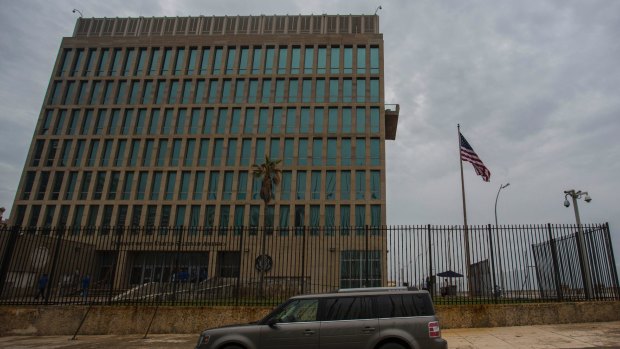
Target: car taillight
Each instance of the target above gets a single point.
(433, 329)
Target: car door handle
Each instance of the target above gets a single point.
(368, 329)
(308, 332)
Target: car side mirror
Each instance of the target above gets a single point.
(272, 322)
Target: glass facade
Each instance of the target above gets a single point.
(174, 129)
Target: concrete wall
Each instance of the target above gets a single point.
(64, 320)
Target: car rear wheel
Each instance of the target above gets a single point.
(392, 346)
(233, 347)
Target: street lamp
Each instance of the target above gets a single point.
(581, 244)
(499, 250)
(502, 186)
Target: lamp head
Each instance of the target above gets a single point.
(566, 203)
(587, 198)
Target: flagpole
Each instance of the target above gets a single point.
(458, 126)
(465, 229)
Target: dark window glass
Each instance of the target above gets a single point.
(347, 308)
(403, 305)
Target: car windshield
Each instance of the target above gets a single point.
(299, 310)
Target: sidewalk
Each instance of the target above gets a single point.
(575, 336)
(586, 335)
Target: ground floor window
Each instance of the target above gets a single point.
(228, 264)
(167, 267)
(360, 268)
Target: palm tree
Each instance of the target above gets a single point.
(270, 174)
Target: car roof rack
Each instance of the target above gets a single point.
(376, 289)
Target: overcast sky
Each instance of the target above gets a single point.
(534, 84)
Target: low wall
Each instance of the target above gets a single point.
(64, 320)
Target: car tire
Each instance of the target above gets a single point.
(392, 345)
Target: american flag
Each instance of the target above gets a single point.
(468, 154)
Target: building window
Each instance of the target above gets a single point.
(71, 182)
(291, 120)
(184, 187)
(180, 216)
(308, 60)
(293, 89)
(295, 59)
(317, 151)
(315, 189)
(228, 185)
(345, 185)
(269, 56)
(374, 90)
(320, 90)
(142, 181)
(204, 62)
(374, 60)
(315, 219)
(284, 219)
(198, 185)
(170, 185)
(212, 189)
(360, 151)
(113, 186)
(242, 185)
(228, 264)
(302, 152)
(127, 186)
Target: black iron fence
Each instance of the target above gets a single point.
(251, 265)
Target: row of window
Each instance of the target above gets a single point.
(209, 121)
(217, 60)
(199, 185)
(214, 91)
(190, 152)
(282, 216)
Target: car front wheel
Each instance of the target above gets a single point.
(392, 346)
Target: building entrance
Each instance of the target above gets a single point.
(163, 267)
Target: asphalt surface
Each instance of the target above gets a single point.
(574, 336)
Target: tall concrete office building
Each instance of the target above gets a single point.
(157, 121)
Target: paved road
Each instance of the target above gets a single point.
(575, 336)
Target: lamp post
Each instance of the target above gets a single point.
(502, 186)
(499, 250)
(581, 243)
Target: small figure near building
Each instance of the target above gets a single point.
(85, 286)
(42, 284)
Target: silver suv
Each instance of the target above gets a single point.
(372, 318)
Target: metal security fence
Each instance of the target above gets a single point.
(254, 265)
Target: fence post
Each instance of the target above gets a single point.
(367, 264)
(612, 262)
(583, 264)
(119, 234)
(239, 273)
(8, 256)
(556, 266)
(495, 290)
(429, 284)
(54, 264)
(177, 280)
(303, 262)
